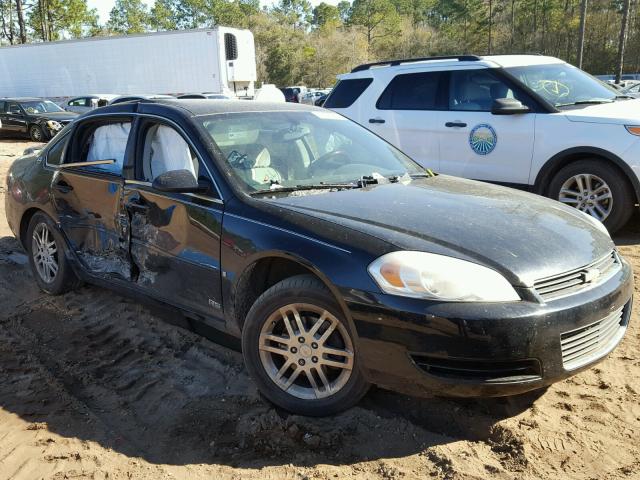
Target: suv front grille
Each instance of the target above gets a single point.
(586, 344)
(575, 280)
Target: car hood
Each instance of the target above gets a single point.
(623, 112)
(524, 236)
(56, 115)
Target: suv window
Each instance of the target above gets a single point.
(412, 91)
(79, 102)
(476, 90)
(56, 152)
(101, 141)
(2, 105)
(14, 108)
(346, 92)
(165, 150)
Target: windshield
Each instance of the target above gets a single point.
(272, 150)
(562, 84)
(43, 106)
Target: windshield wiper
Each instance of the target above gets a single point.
(625, 97)
(315, 186)
(584, 102)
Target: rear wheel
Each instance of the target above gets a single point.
(47, 257)
(36, 133)
(300, 351)
(596, 188)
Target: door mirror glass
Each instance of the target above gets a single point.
(178, 181)
(508, 106)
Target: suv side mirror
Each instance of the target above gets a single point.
(176, 181)
(508, 106)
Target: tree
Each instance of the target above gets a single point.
(21, 25)
(326, 15)
(55, 19)
(623, 39)
(8, 26)
(128, 16)
(296, 13)
(378, 17)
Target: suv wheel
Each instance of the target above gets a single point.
(36, 133)
(299, 350)
(596, 188)
(47, 257)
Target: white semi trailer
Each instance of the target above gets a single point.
(217, 60)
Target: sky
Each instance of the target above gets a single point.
(105, 6)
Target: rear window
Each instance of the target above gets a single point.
(346, 92)
(412, 91)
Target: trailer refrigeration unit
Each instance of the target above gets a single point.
(217, 60)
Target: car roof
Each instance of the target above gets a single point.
(22, 99)
(196, 107)
(487, 61)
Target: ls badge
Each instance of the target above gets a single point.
(483, 139)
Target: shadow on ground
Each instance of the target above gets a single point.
(96, 366)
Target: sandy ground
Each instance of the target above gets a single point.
(93, 385)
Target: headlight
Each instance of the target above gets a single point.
(53, 125)
(437, 277)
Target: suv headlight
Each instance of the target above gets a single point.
(53, 125)
(438, 277)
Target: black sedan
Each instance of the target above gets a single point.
(336, 259)
(36, 118)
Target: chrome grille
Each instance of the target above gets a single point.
(579, 279)
(586, 344)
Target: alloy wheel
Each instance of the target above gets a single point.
(45, 253)
(36, 134)
(306, 351)
(588, 193)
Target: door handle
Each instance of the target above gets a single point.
(376, 120)
(63, 186)
(137, 207)
(455, 124)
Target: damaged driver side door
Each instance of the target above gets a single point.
(87, 190)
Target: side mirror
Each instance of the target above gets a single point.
(176, 181)
(508, 106)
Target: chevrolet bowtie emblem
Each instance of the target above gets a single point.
(590, 275)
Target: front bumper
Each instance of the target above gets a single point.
(481, 349)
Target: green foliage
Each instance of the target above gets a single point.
(296, 43)
(129, 16)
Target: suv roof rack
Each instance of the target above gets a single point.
(393, 63)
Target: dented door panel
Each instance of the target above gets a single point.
(89, 207)
(175, 247)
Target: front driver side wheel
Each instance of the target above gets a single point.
(36, 133)
(300, 351)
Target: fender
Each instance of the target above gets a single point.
(566, 156)
(303, 262)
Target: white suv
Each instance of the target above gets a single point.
(526, 121)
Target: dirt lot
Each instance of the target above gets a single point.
(93, 385)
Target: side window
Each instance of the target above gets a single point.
(2, 107)
(412, 91)
(14, 108)
(346, 92)
(476, 90)
(164, 150)
(55, 155)
(95, 141)
(79, 102)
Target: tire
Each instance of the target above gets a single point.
(337, 388)
(63, 279)
(621, 203)
(36, 133)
